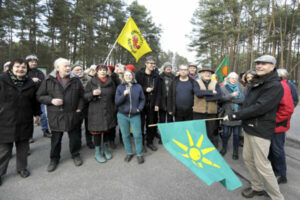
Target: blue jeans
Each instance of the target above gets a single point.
(135, 122)
(44, 120)
(277, 154)
(236, 135)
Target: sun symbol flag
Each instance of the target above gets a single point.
(131, 39)
(223, 69)
(187, 141)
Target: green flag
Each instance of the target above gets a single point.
(187, 141)
(223, 69)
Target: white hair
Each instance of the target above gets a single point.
(282, 73)
(233, 75)
(58, 61)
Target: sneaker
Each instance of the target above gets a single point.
(128, 157)
(282, 180)
(140, 159)
(77, 161)
(52, 166)
(24, 173)
(47, 134)
(250, 193)
(152, 147)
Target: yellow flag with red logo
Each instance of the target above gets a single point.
(131, 39)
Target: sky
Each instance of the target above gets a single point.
(174, 17)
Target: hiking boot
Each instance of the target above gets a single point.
(282, 180)
(47, 134)
(250, 193)
(223, 151)
(24, 173)
(152, 147)
(128, 157)
(77, 161)
(52, 166)
(235, 154)
(140, 159)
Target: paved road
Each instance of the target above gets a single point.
(160, 177)
(294, 132)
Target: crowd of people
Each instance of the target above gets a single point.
(256, 105)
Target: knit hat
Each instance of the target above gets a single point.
(31, 57)
(112, 68)
(167, 64)
(6, 64)
(130, 67)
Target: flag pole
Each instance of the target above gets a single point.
(210, 119)
(110, 52)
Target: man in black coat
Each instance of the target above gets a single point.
(149, 79)
(259, 117)
(62, 92)
(38, 76)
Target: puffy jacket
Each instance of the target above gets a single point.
(101, 109)
(285, 109)
(17, 109)
(65, 117)
(260, 106)
(131, 103)
(294, 92)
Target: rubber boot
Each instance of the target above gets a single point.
(235, 154)
(98, 155)
(107, 154)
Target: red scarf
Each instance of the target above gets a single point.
(103, 80)
(59, 79)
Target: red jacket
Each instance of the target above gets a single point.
(285, 109)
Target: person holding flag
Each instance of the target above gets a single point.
(223, 69)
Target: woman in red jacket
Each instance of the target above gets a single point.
(283, 116)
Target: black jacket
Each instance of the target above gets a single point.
(260, 105)
(65, 117)
(36, 73)
(102, 109)
(154, 97)
(17, 109)
(164, 94)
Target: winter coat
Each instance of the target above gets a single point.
(101, 109)
(227, 105)
(154, 97)
(285, 109)
(36, 73)
(260, 105)
(164, 94)
(294, 92)
(17, 109)
(131, 104)
(65, 117)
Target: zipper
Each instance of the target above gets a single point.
(130, 103)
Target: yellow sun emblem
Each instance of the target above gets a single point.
(194, 152)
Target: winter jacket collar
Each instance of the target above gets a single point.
(260, 80)
(54, 74)
(27, 84)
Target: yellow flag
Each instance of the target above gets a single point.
(132, 40)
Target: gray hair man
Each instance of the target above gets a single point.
(62, 92)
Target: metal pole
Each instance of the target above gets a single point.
(110, 52)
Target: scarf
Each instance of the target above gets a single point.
(18, 82)
(234, 88)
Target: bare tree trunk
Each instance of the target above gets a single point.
(274, 28)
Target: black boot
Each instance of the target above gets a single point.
(223, 151)
(235, 154)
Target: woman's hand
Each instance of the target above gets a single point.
(96, 92)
